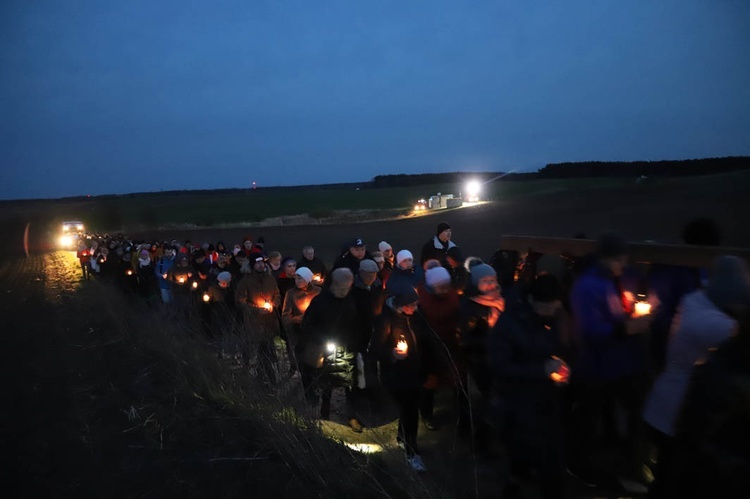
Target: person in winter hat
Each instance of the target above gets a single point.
(479, 311)
(437, 247)
(405, 349)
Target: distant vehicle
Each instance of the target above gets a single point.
(421, 205)
(70, 232)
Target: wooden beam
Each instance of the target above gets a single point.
(668, 254)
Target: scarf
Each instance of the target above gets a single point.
(144, 262)
(495, 305)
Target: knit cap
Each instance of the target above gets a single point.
(437, 276)
(403, 255)
(478, 269)
(304, 273)
(405, 296)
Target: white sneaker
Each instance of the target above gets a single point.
(416, 463)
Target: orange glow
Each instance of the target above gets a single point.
(642, 308)
(195, 284)
(206, 297)
(402, 347)
(129, 272)
(562, 375)
(181, 280)
(317, 278)
(267, 305)
(303, 306)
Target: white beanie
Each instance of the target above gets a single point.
(403, 255)
(437, 276)
(224, 277)
(304, 273)
(382, 246)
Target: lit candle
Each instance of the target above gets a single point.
(562, 374)
(642, 308)
(129, 272)
(195, 284)
(317, 278)
(181, 279)
(206, 297)
(401, 346)
(267, 305)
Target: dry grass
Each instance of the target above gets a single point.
(164, 416)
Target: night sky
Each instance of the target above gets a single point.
(100, 97)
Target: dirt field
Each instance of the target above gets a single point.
(47, 323)
(655, 211)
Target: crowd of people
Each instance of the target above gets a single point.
(554, 358)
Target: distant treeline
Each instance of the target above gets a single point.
(646, 168)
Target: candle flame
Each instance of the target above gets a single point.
(402, 347)
(206, 297)
(642, 308)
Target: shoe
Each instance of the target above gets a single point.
(355, 425)
(416, 463)
(431, 425)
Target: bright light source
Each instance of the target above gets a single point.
(364, 448)
(331, 347)
(66, 241)
(472, 191)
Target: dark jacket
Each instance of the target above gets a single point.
(712, 456)
(331, 319)
(409, 373)
(350, 262)
(316, 266)
(400, 278)
(528, 401)
(435, 249)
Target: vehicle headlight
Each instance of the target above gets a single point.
(66, 241)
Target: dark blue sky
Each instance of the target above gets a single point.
(114, 97)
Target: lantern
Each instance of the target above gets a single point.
(562, 374)
(642, 308)
(401, 346)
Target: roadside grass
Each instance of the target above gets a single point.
(165, 416)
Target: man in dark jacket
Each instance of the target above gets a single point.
(333, 336)
(437, 247)
(356, 252)
(315, 264)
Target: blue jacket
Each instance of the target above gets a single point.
(163, 267)
(608, 352)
